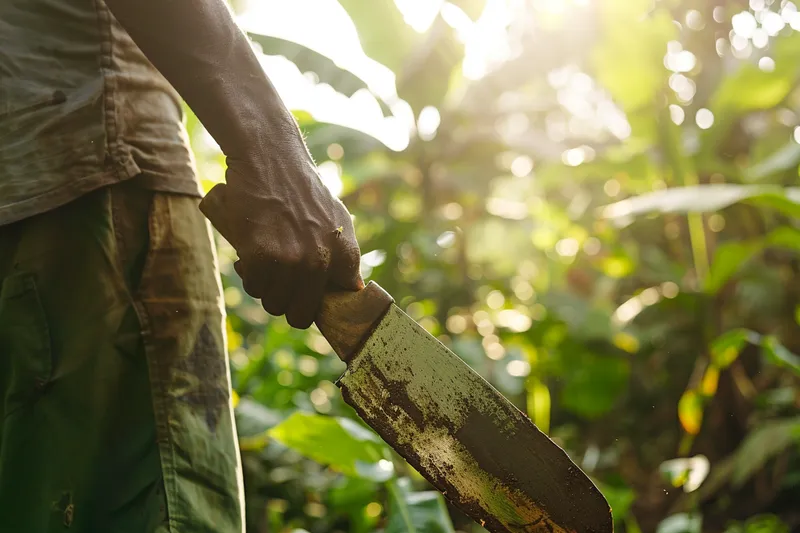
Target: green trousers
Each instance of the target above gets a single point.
(114, 379)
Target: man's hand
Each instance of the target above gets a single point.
(292, 236)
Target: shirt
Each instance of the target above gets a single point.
(81, 107)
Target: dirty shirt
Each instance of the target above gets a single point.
(80, 108)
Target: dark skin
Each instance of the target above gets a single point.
(294, 239)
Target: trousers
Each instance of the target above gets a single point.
(115, 390)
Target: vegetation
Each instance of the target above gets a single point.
(593, 203)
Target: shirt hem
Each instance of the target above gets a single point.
(73, 190)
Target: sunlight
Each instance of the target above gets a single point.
(331, 175)
(325, 27)
(360, 112)
(419, 14)
(428, 122)
(485, 41)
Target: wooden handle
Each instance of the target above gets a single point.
(347, 318)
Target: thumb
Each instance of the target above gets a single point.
(214, 207)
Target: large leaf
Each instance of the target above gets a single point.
(423, 63)
(620, 499)
(339, 443)
(763, 443)
(253, 418)
(785, 158)
(726, 348)
(416, 512)
(779, 355)
(424, 78)
(730, 256)
(704, 199)
(383, 33)
(751, 88)
(593, 385)
(355, 143)
(308, 60)
(628, 61)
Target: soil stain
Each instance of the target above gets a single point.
(526, 474)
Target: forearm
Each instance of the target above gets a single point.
(201, 51)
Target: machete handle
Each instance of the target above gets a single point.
(347, 318)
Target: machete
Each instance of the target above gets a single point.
(459, 432)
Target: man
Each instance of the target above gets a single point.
(113, 375)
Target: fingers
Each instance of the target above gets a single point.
(297, 291)
(279, 290)
(273, 284)
(307, 300)
(290, 274)
(252, 283)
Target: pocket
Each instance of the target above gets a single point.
(132, 211)
(25, 350)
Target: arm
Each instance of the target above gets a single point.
(273, 209)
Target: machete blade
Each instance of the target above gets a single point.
(470, 442)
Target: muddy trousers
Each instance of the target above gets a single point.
(114, 380)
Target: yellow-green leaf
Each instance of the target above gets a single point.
(690, 412)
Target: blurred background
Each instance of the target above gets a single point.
(593, 202)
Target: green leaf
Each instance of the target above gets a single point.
(356, 144)
(426, 75)
(764, 90)
(352, 492)
(628, 61)
(728, 258)
(778, 355)
(384, 35)
(763, 523)
(784, 237)
(253, 418)
(538, 404)
(704, 199)
(785, 158)
(763, 443)
(416, 512)
(340, 443)
(584, 320)
(726, 348)
(308, 60)
(752, 89)
(690, 412)
(620, 499)
(786, 201)
(592, 387)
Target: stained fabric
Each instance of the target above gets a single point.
(114, 379)
(81, 108)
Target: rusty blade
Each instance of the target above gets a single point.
(459, 432)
